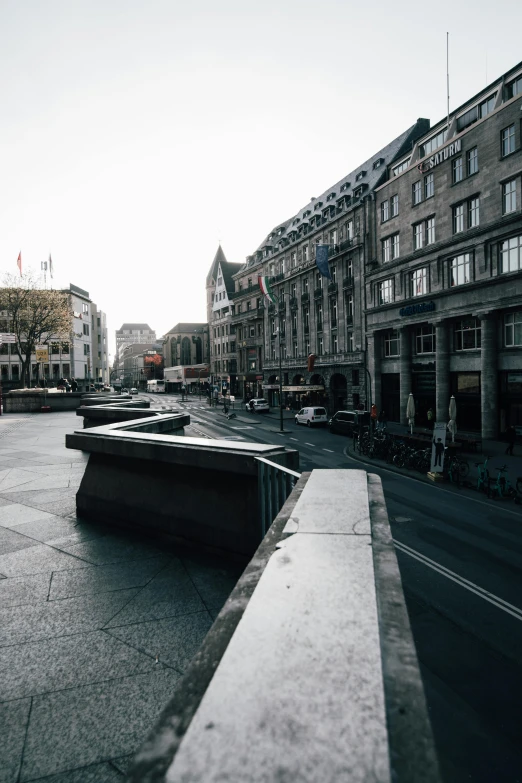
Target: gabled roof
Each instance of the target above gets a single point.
(186, 328)
(228, 268)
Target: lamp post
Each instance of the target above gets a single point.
(281, 428)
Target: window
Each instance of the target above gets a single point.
(511, 254)
(355, 377)
(460, 270)
(320, 346)
(472, 161)
(386, 291)
(349, 306)
(458, 218)
(333, 312)
(509, 196)
(319, 317)
(395, 246)
(86, 349)
(348, 227)
(430, 231)
(508, 140)
(85, 308)
(391, 343)
(335, 343)
(456, 168)
(429, 186)
(305, 252)
(432, 144)
(349, 267)
(305, 285)
(349, 341)
(401, 167)
(293, 259)
(467, 334)
(390, 248)
(514, 88)
(333, 272)
(419, 281)
(385, 211)
(418, 236)
(473, 212)
(416, 190)
(394, 205)
(425, 339)
(513, 329)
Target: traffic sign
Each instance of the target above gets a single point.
(42, 353)
(7, 338)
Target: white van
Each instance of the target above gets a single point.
(311, 416)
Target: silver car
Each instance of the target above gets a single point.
(258, 405)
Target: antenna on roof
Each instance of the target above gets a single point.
(447, 74)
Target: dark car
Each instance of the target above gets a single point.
(343, 422)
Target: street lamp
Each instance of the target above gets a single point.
(281, 428)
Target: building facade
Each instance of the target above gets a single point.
(222, 341)
(100, 352)
(134, 366)
(313, 314)
(443, 298)
(186, 344)
(130, 333)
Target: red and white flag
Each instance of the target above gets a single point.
(19, 262)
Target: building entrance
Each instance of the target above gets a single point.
(390, 394)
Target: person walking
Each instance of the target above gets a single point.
(381, 421)
(74, 384)
(374, 415)
(511, 435)
(431, 418)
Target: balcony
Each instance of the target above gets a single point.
(348, 319)
(318, 292)
(305, 297)
(282, 306)
(332, 288)
(351, 359)
(348, 282)
(293, 303)
(306, 328)
(319, 326)
(333, 322)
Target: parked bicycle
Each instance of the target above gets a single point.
(503, 488)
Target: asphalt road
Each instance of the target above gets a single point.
(461, 563)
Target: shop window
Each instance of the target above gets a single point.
(468, 383)
(513, 329)
(391, 343)
(467, 334)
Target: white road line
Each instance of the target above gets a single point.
(309, 444)
(471, 586)
(296, 439)
(330, 450)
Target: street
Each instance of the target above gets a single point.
(460, 558)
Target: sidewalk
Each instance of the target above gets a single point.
(96, 626)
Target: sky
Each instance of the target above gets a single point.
(137, 136)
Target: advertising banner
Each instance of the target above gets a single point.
(437, 448)
(42, 353)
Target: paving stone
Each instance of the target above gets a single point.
(16, 477)
(123, 763)
(89, 724)
(5, 502)
(69, 661)
(13, 726)
(102, 579)
(214, 581)
(39, 482)
(37, 559)
(176, 639)
(11, 541)
(60, 502)
(49, 619)
(16, 514)
(94, 773)
(170, 594)
(50, 529)
(111, 549)
(24, 589)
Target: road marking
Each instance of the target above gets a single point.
(241, 428)
(471, 586)
(330, 450)
(309, 444)
(296, 439)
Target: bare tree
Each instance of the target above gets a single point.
(36, 316)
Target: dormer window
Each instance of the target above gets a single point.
(330, 196)
(307, 213)
(345, 186)
(357, 193)
(360, 175)
(378, 163)
(318, 205)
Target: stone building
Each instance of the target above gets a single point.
(314, 315)
(444, 294)
(130, 333)
(222, 343)
(186, 344)
(100, 353)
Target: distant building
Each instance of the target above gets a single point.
(187, 344)
(129, 334)
(100, 355)
(220, 291)
(134, 366)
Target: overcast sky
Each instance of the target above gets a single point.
(137, 135)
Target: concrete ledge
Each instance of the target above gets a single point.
(194, 490)
(309, 672)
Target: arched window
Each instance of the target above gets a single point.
(185, 351)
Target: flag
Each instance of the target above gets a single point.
(310, 363)
(19, 262)
(264, 285)
(321, 260)
(50, 266)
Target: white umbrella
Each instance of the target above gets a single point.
(410, 412)
(452, 425)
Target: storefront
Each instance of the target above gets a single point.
(510, 399)
(390, 394)
(423, 389)
(466, 388)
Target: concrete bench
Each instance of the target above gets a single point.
(309, 673)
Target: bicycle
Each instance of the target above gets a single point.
(454, 467)
(503, 487)
(483, 477)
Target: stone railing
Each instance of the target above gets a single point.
(309, 672)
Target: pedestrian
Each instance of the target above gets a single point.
(74, 384)
(381, 421)
(251, 405)
(431, 418)
(511, 435)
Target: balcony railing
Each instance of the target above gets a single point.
(318, 292)
(305, 296)
(348, 282)
(293, 303)
(306, 328)
(332, 288)
(351, 358)
(319, 326)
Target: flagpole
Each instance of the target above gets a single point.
(281, 428)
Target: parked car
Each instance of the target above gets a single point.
(343, 422)
(134, 390)
(258, 405)
(311, 416)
